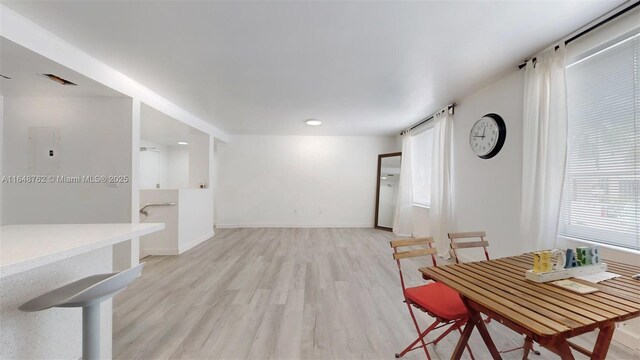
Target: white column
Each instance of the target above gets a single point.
(135, 177)
(127, 254)
(212, 181)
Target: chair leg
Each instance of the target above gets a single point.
(421, 335)
(417, 340)
(442, 336)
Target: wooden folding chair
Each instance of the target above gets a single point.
(438, 300)
(456, 243)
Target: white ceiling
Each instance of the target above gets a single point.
(24, 66)
(363, 68)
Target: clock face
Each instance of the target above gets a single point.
(487, 136)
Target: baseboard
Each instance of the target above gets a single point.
(196, 241)
(182, 249)
(312, 226)
(160, 252)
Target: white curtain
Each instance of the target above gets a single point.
(403, 218)
(441, 204)
(544, 149)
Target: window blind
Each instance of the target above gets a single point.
(421, 150)
(601, 190)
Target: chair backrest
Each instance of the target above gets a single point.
(426, 249)
(460, 241)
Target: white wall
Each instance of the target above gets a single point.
(153, 166)
(195, 217)
(187, 224)
(487, 193)
(164, 242)
(169, 166)
(178, 167)
(198, 160)
(298, 181)
(92, 133)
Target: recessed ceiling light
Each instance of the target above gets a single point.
(313, 122)
(384, 178)
(183, 143)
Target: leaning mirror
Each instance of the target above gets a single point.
(387, 190)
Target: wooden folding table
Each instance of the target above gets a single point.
(543, 313)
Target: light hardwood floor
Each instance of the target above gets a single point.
(283, 294)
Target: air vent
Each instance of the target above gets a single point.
(58, 79)
(5, 77)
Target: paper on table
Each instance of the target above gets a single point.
(574, 286)
(598, 277)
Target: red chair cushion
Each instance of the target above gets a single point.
(438, 299)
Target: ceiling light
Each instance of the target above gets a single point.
(58, 79)
(384, 178)
(313, 122)
(183, 143)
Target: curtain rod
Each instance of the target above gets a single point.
(450, 108)
(591, 28)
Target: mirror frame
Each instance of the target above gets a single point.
(380, 157)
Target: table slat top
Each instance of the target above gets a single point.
(544, 309)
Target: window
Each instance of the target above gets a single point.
(421, 149)
(601, 190)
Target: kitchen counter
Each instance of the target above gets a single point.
(25, 247)
(35, 259)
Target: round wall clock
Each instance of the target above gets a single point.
(487, 136)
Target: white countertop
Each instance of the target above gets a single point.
(24, 247)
